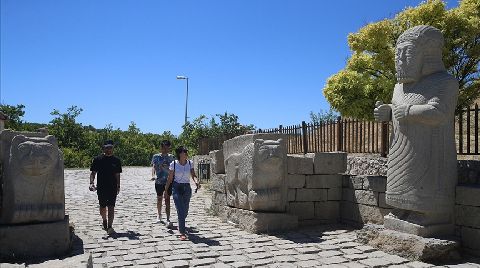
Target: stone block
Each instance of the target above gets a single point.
(348, 195)
(217, 164)
(470, 238)
(261, 222)
(468, 196)
(382, 201)
(83, 260)
(32, 178)
(26, 241)
(353, 182)
(219, 199)
(334, 194)
(349, 212)
(468, 172)
(217, 183)
(256, 166)
(372, 214)
(323, 181)
(295, 181)
(412, 247)
(329, 210)
(467, 216)
(311, 195)
(300, 164)
(330, 163)
(291, 195)
(375, 183)
(366, 165)
(366, 197)
(304, 210)
(431, 230)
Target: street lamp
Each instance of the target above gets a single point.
(181, 77)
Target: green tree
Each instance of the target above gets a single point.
(323, 116)
(369, 74)
(14, 114)
(64, 127)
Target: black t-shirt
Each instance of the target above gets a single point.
(106, 168)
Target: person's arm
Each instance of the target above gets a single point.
(170, 179)
(194, 177)
(153, 172)
(92, 180)
(117, 176)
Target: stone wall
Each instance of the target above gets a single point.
(314, 184)
(467, 217)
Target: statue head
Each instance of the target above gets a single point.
(418, 53)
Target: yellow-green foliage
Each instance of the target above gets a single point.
(370, 72)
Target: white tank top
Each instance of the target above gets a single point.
(182, 173)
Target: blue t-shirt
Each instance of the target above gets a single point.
(161, 164)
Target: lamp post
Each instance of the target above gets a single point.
(181, 77)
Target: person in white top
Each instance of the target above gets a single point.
(179, 175)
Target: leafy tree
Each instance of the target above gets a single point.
(323, 116)
(65, 128)
(14, 114)
(370, 72)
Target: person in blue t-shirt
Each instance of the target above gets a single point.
(160, 164)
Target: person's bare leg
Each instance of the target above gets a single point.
(167, 206)
(111, 215)
(103, 213)
(159, 207)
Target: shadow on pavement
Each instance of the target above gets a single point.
(131, 235)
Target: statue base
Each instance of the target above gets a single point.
(412, 247)
(38, 240)
(424, 230)
(260, 222)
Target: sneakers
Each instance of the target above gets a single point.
(159, 219)
(168, 224)
(110, 231)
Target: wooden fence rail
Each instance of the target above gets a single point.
(358, 136)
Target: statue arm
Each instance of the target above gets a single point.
(434, 112)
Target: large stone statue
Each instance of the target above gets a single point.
(421, 174)
(255, 171)
(32, 178)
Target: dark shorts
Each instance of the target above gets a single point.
(107, 199)
(160, 188)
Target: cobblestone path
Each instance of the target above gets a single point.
(212, 243)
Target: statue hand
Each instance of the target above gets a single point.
(382, 112)
(401, 111)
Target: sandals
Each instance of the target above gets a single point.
(183, 237)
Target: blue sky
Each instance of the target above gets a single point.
(263, 60)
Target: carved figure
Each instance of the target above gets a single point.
(421, 174)
(32, 177)
(255, 176)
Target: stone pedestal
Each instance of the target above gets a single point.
(425, 230)
(260, 222)
(412, 247)
(47, 239)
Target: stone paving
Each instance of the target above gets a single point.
(140, 242)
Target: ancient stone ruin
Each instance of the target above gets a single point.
(32, 198)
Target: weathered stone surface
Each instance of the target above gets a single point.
(467, 216)
(261, 222)
(468, 196)
(353, 182)
(329, 210)
(256, 167)
(469, 172)
(304, 210)
(295, 181)
(219, 198)
(375, 183)
(291, 195)
(330, 163)
(311, 195)
(217, 164)
(471, 239)
(217, 183)
(412, 247)
(422, 159)
(300, 164)
(32, 178)
(366, 197)
(334, 194)
(34, 240)
(323, 181)
(348, 195)
(381, 201)
(372, 214)
(424, 230)
(366, 165)
(349, 212)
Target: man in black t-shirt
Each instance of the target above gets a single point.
(108, 168)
